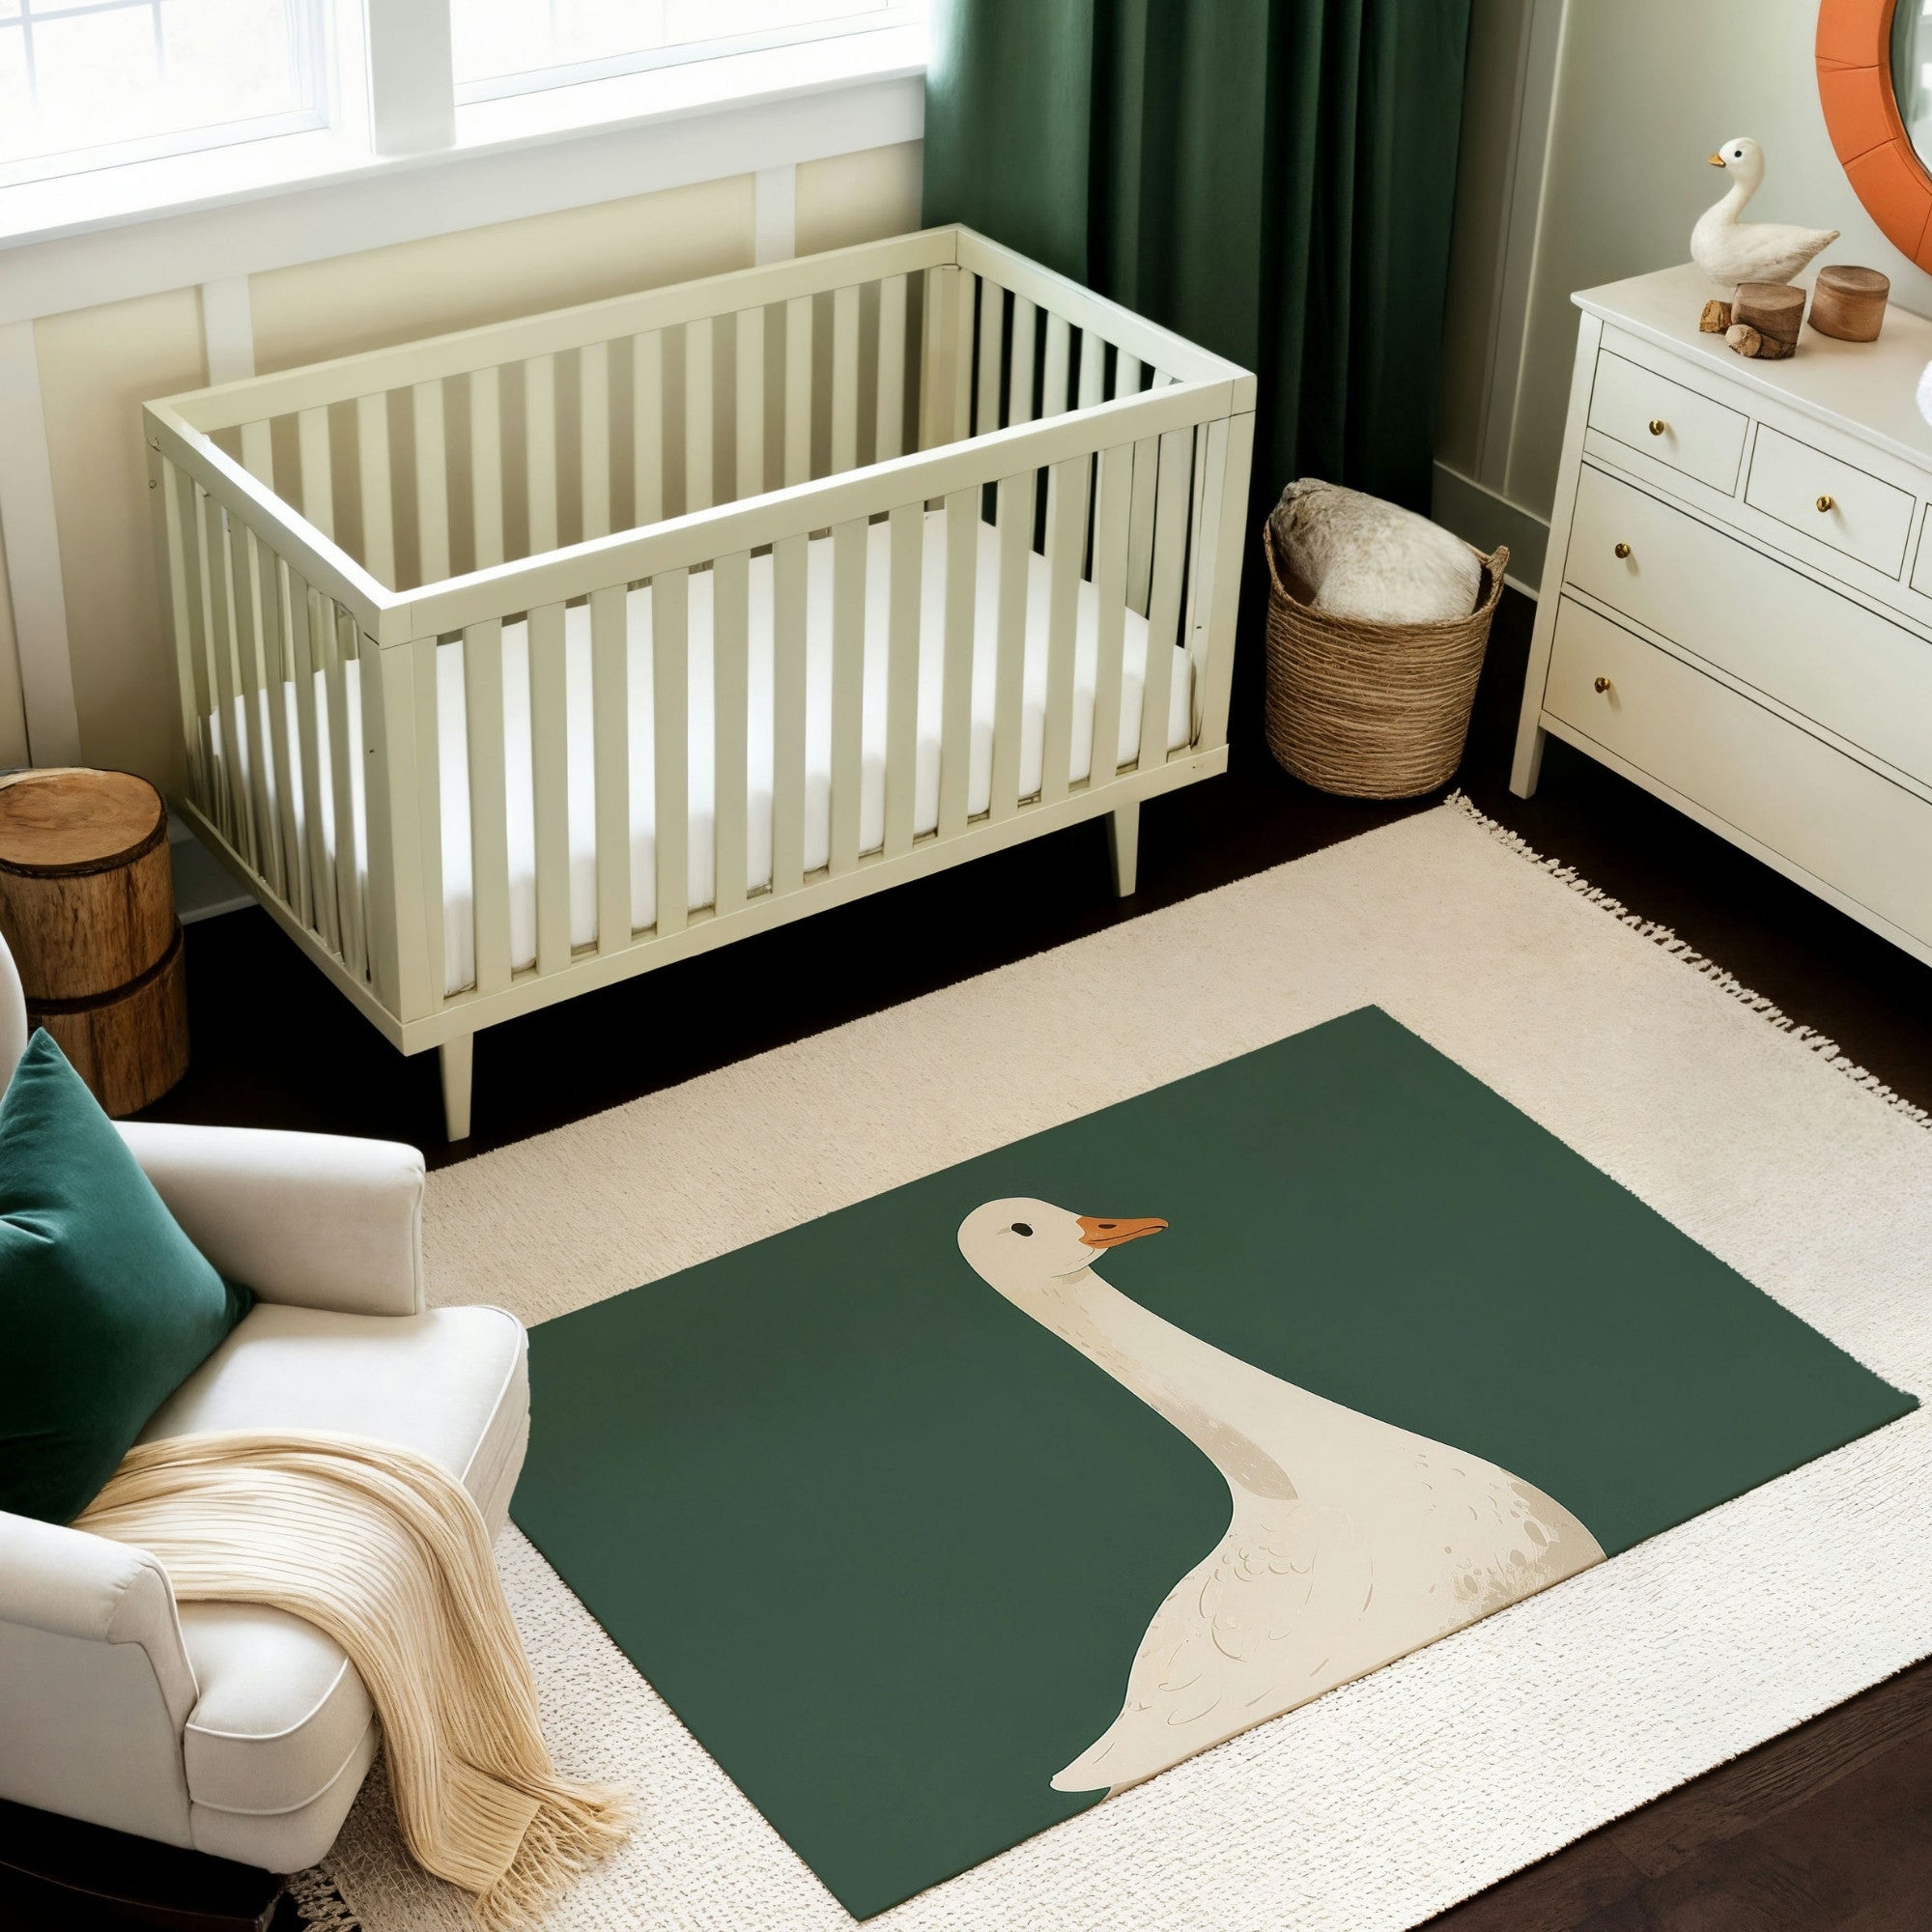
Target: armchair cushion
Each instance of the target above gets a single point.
(105, 1306)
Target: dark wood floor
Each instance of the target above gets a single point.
(1830, 1827)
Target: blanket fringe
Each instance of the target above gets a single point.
(575, 1826)
(1662, 936)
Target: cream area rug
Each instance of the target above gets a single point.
(1396, 1795)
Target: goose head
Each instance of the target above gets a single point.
(1745, 159)
(1027, 1249)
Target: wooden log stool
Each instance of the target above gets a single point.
(87, 906)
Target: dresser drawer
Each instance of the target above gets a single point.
(1801, 643)
(1665, 420)
(1834, 501)
(1836, 818)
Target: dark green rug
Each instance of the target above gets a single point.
(889, 1546)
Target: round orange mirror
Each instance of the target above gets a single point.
(1872, 53)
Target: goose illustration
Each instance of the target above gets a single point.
(1351, 1542)
(1731, 252)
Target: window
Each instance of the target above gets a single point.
(511, 46)
(90, 83)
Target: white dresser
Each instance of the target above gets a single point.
(1737, 605)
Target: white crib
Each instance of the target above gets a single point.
(514, 661)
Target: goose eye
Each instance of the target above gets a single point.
(1021, 1227)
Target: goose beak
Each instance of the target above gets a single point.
(1098, 1233)
(1717, 160)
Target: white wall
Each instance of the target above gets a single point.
(1596, 117)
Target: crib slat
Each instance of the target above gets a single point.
(486, 465)
(318, 488)
(189, 676)
(246, 577)
(959, 418)
(907, 525)
(394, 916)
(788, 681)
(1019, 380)
(593, 436)
(1140, 522)
(987, 358)
(432, 488)
(378, 521)
(888, 414)
(939, 351)
(848, 688)
(427, 773)
(1092, 370)
(281, 783)
(670, 706)
(751, 403)
(258, 452)
(1127, 374)
(955, 717)
(540, 450)
(1059, 361)
(699, 492)
(798, 391)
(549, 769)
(346, 755)
(730, 642)
(195, 592)
(1170, 558)
(844, 380)
(647, 427)
(489, 805)
(220, 580)
(1110, 584)
(304, 659)
(1066, 537)
(1015, 509)
(610, 729)
(1229, 450)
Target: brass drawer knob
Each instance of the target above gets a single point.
(1657, 425)
(1824, 504)
(1623, 550)
(1601, 685)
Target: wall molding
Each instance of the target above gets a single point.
(1482, 516)
(30, 530)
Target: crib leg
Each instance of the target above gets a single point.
(1124, 846)
(456, 1059)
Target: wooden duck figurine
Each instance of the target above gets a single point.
(1731, 252)
(1351, 1541)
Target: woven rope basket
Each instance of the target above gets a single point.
(1372, 710)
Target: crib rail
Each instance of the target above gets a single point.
(961, 482)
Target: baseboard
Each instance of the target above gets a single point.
(1479, 516)
(203, 886)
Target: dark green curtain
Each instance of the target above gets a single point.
(1273, 179)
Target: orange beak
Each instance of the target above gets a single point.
(1718, 162)
(1111, 1234)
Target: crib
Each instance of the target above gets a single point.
(519, 661)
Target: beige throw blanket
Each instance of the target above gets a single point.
(384, 1550)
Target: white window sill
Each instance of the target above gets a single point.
(83, 238)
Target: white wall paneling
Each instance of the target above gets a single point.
(33, 555)
(775, 214)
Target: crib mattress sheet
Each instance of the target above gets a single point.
(453, 774)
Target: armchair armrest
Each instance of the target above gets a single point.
(318, 1220)
(94, 1682)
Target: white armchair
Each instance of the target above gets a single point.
(224, 1727)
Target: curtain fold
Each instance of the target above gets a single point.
(1273, 179)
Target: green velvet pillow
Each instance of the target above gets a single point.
(105, 1306)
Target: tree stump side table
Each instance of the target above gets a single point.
(87, 906)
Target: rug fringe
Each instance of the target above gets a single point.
(319, 1902)
(1721, 976)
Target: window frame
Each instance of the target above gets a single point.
(316, 63)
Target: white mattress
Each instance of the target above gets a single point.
(459, 939)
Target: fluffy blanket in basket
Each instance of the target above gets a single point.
(384, 1550)
(1357, 556)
